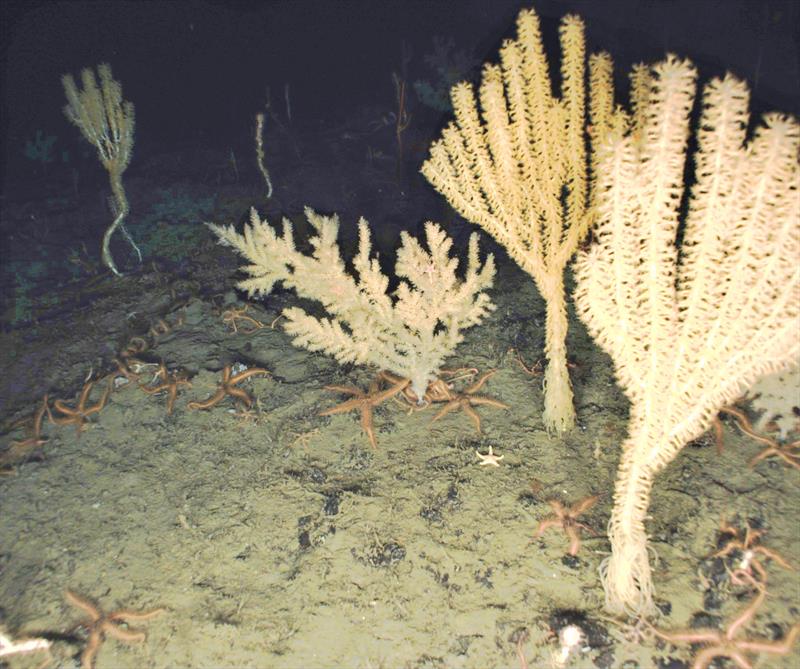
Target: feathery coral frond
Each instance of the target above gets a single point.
(409, 334)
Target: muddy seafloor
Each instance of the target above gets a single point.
(281, 539)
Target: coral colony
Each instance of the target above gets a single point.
(690, 324)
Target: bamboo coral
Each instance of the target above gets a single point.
(688, 327)
(519, 169)
(106, 121)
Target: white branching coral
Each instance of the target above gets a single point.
(410, 332)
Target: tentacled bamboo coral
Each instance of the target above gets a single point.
(520, 170)
(689, 326)
(107, 122)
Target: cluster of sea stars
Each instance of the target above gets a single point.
(789, 452)
(747, 547)
(438, 391)
(77, 415)
(728, 643)
(745, 569)
(129, 372)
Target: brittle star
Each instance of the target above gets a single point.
(101, 623)
(567, 519)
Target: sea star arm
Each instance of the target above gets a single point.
(781, 647)
(574, 537)
(209, 402)
(246, 374)
(240, 394)
(709, 636)
(476, 419)
(376, 398)
(368, 426)
(344, 407)
(487, 401)
(705, 656)
(546, 524)
(452, 405)
(475, 387)
(584, 505)
(773, 556)
(100, 405)
(83, 604)
(347, 390)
